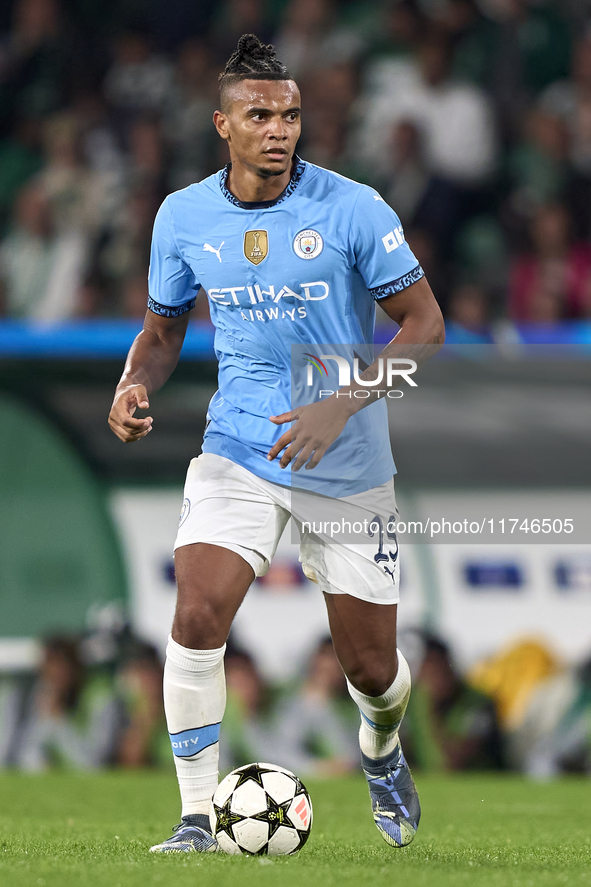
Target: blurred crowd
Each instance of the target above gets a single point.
(472, 118)
(520, 710)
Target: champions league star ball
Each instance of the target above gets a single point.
(261, 809)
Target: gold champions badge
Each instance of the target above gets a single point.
(256, 246)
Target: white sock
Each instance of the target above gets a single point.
(194, 702)
(381, 715)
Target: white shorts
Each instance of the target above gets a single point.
(347, 546)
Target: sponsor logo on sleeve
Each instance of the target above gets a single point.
(393, 239)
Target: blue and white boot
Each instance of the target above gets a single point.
(191, 835)
(394, 797)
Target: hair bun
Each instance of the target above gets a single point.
(250, 45)
(254, 59)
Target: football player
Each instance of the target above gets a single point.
(289, 254)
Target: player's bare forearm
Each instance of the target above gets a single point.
(155, 351)
(421, 335)
(316, 426)
(151, 359)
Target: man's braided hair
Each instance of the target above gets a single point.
(252, 60)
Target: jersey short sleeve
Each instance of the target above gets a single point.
(381, 254)
(171, 283)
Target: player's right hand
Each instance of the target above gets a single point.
(121, 418)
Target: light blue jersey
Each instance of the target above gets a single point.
(302, 270)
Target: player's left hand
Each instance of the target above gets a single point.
(315, 427)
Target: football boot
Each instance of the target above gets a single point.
(192, 834)
(394, 797)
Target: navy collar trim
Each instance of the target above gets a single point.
(296, 176)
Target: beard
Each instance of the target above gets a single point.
(266, 173)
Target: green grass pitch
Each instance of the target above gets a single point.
(65, 830)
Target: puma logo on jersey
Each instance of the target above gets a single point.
(207, 248)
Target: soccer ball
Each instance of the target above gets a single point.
(261, 809)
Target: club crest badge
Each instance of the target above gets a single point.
(256, 246)
(185, 511)
(308, 244)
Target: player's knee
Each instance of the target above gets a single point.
(373, 677)
(198, 625)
